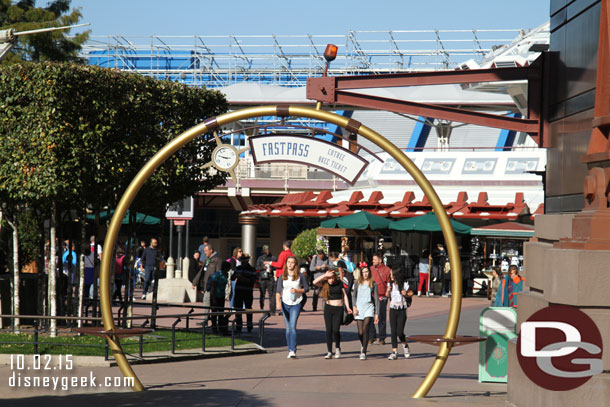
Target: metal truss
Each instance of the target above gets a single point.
(288, 60)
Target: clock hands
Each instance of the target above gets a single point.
(235, 153)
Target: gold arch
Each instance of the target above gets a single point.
(353, 126)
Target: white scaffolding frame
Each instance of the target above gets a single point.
(288, 60)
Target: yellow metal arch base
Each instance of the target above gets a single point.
(211, 124)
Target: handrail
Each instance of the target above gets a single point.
(226, 312)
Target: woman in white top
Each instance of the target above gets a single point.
(291, 286)
(398, 292)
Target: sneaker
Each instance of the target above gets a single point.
(419, 293)
(143, 296)
(445, 295)
(392, 356)
(292, 354)
(405, 348)
(328, 356)
(362, 356)
(337, 353)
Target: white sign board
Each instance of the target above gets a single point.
(181, 210)
(308, 151)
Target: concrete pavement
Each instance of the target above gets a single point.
(273, 380)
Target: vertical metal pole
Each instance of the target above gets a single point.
(179, 230)
(35, 337)
(203, 336)
(171, 237)
(186, 238)
(233, 334)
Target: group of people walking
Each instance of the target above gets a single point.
(363, 295)
(359, 293)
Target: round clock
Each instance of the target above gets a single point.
(225, 157)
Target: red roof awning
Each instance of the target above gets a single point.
(309, 204)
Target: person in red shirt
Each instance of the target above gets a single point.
(381, 276)
(281, 259)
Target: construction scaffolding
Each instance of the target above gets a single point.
(288, 60)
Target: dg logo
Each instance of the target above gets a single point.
(560, 348)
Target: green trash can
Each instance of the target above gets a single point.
(498, 325)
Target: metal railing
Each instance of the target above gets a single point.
(246, 169)
(225, 315)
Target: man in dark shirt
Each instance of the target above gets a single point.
(381, 275)
(245, 277)
(318, 266)
(149, 262)
(201, 280)
(266, 282)
(202, 257)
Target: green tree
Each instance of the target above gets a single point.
(23, 15)
(74, 136)
(304, 244)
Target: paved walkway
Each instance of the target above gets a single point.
(272, 380)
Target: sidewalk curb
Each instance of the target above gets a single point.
(154, 357)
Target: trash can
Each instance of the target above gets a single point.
(498, 325)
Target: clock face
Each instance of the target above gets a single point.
(225, 158)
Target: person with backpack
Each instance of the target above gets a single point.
(245, 278)
(318, 266)
(211, 266)
(335, 295)
(120, 271)
(149, 263)
(266, 278)
(381, 276)
(398, 293)
(218, 289)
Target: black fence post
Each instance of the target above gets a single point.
(141, 350)
(261, 327)
(203, 337)
(188, 317)
(174, 335)
(35, 337)
(233, 334)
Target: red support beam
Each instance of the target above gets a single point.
(434, 78)
(334, 90)
(436, 111)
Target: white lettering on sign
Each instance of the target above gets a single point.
(308, 151)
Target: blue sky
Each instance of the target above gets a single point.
(282, 17)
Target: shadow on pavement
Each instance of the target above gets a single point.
(276, 337)
(191, 398)
(469, 394)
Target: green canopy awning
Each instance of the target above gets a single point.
(360, 220)
(505, 229)
(141, 218)
(427, 223)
